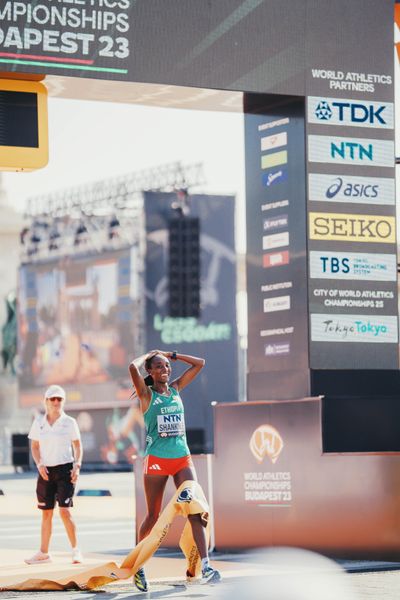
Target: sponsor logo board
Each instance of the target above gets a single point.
(354, 113)
(275, 259)
(277, 303)
(275, 240)
(274, 177)
(277, 331)
(354, 328)
(274, 159)
(273, 287)
(343, 188)
(272, 124)
(350, 151)
(273, 205)
(352, 228)
(269, 142)
(277, 222)
(353, 266)
(277, 349)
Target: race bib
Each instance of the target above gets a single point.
(170, 425)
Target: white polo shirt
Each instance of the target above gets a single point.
(55, 440)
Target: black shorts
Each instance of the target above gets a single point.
(59, 488)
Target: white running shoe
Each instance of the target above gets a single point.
(38, 558)
(210, 575)
(77, 557)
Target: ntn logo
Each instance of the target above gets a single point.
(353, 150)
(354, 190)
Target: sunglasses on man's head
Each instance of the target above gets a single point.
(55, 399)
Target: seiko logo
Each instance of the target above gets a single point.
(266, 441)
(356, 228)
(353, 190)
(351, 112)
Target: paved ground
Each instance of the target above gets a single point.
(106, 528)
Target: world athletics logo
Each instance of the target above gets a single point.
(266, 441)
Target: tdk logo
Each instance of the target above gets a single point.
(353, 113)
(323, 111)
(352, 190)
(349, 112)
(352, 151)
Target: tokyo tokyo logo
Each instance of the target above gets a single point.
(266, 441)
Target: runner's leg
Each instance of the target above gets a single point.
(154, 486)
(199, 534)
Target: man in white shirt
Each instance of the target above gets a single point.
(57, 451)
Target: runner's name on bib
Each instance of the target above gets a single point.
(170, 425)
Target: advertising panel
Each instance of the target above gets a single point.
(345, 188)
(364, 152)
(274, 487)
(351, 204)
(276, 229)
(353, 266)
(213, 335)
(221, 44)
(78, 325)
(340, 111)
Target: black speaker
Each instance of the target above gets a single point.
(184, 266)
(20, 450)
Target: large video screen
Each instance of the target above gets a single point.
(78, 323)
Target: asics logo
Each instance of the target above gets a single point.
(186, 495)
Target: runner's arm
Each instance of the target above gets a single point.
(141, 388)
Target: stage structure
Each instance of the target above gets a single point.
(315, 80)
(93, 294)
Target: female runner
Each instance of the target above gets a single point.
(167, 452)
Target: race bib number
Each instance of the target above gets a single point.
(170, 425)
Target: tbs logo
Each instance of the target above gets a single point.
(335, 265)
(350, 112)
